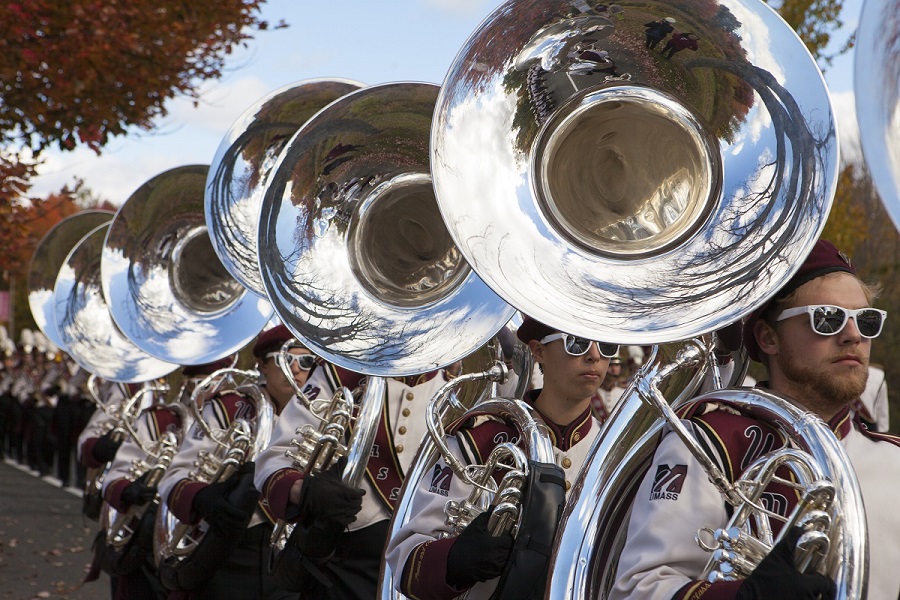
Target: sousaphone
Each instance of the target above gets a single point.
(654, 202)
(167, 290)
(48, 258)
(877, 84)
(354, 255)
(85, 325)
(247, 154)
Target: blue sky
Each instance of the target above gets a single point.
(371, 42)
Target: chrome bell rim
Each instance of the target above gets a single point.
(353, 252)
(617, 236)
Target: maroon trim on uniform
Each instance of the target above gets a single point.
(599, 408)
(484, 437)
(414, 380)
(425, 573)
(383, 467)
(163, 419)
(87, 454)
(564, 436)
(721, 590)
(276, 492)
(862, 410)
(181, 500)
(114, 491)
(877, 436)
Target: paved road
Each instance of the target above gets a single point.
(44, 540)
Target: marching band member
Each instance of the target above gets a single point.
(336, 548)
(237, 568)
(814, 338)
(610, 391)
(425, 563)
(132, 571)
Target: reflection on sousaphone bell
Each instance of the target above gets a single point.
(167, 290)
(644, 208)
(48, 258)
(84, 322)
(246, 155)
(877, 84)
(353, 251)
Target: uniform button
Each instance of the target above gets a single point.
(568, 485)
(409, 395)
(576, 437)
(399, 448)
(405, 412)
(566, 463)
(402, 430)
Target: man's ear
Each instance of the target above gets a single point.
(766, 337)
(537, 350)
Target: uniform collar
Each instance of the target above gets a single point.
(564, 436)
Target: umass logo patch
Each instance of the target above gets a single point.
(668, 482)
(440, 480)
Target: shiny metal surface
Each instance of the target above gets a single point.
(638, 199)
(84, 322)
(877, 86)
(243, 161)
(167, 290)
(46, 261)
(353, 252)
(594, 530)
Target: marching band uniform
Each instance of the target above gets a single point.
(418, 553)
(241, 529)
(132, 572)
(352, 571)
(661, 560)
(676, 499)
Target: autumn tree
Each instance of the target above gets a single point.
(814, 21)
(83, 71)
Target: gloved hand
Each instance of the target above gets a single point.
(777, 577)
(138, 492)
(324, 498)
(105, 448)
(212, 504)
(476, 555)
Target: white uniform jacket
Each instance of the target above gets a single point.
(661, 560)
(403, 420)
(176, 488)
(149, 426)
(418, 566)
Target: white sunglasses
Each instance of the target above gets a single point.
(579, 346)
(827, 319)
(304, 362)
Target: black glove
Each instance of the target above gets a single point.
(324, 498)
(476, 555)
(105, 448)
(777, 577)
(138, 492)
(212, 504)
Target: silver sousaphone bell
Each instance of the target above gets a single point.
(85, 325)
(167, 290)
(353, 252)
(247, 154)
(48, 258)
(877, 85)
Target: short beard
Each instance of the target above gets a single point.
(822, 392)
